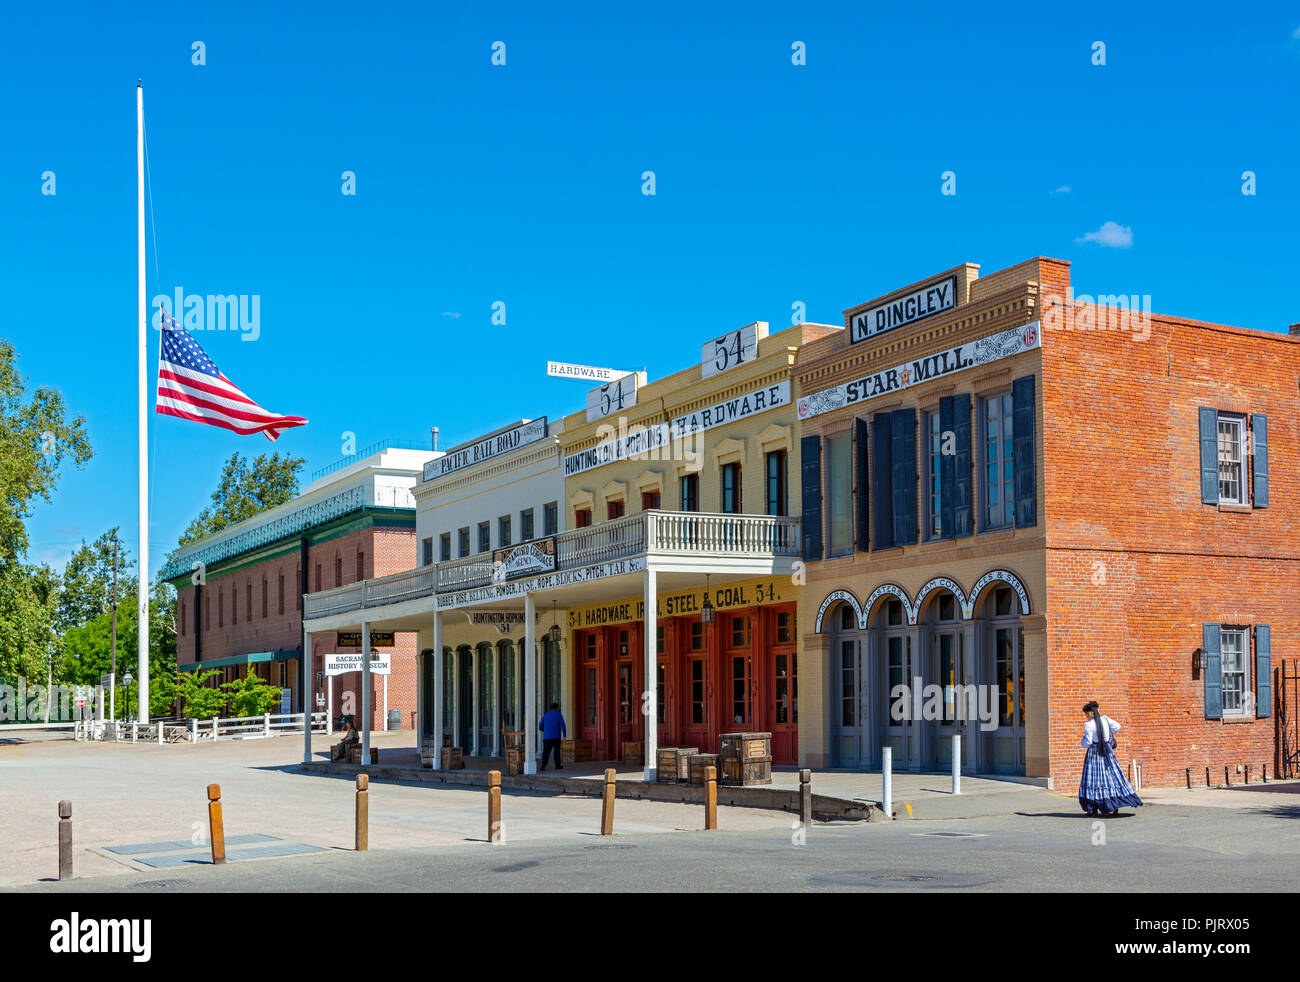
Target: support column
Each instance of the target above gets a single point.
(436, 708)
(385, 713)
(650, 699)
(496, 701)
(455, 699)
(365, 693)
(530, 685)
(329, 704)
(308, 694)
(474, 700)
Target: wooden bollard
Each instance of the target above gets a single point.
(805, 798)
(1227, 781)
(607, 806)
(1207, 777)
(1247, 781)
(363, 812)
(215, 826)
(65, 840)
(494, 807)
(710, 798)
(1266, 774)
(1189, 779)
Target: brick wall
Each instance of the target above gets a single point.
(1136, 563)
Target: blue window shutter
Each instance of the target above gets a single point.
(1259, 439)
(810, 463)
(1022, 446)
(947, 469)
(882, 478)
(903, 423)
(1213, 674)
(1263, 670)
(863, 475)
(962, 515)
(1209, 456)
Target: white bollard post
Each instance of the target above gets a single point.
(887, 774)
(956, 763)
(194, 731)
(266, 725)
(160, 733)
(135, 730)
(214, 729)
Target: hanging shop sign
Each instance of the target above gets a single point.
(933, 298)
(585, 373)
(645, 442)
(515, 589)
(493, 445)
(731, 350)
(378, 639)
(613, 397)
(537, 556)
(686, 603)
(995, 347)
(342, 663)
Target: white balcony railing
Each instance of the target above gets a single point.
(647, 533)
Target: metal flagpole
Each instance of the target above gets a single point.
(142, 622)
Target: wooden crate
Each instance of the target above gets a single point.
(746, 746)
(633, 753)
(750, 771)
(670, 763)
(514, 760)
(697, 764)
(574, 751)
(452, 759)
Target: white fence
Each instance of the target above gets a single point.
(193, 730)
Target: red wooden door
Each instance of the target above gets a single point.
(626, 688)
(666, 685)
(781, 673)
(697, 684)
(590, 692)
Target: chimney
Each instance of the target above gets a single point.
(1295, 330)
(434, 430)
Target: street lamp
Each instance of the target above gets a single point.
(707, 613)
(127, 679)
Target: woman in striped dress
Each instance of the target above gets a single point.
(1103, 788)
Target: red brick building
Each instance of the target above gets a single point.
(1116, 518)
(351, 524)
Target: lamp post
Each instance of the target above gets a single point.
(127, 679)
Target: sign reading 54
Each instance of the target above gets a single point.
(736, 348)
(613, 397)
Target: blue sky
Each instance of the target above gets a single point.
(522, 184)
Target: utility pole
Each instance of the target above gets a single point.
(112, 700)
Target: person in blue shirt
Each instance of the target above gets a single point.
(553, 730)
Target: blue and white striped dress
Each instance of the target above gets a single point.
(1103, 787)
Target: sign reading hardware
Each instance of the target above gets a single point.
(642, 441)
(378, 639)
(731, 350)
(492, 445)
(933, 298)
(537, 556)
(946, 362)
(340, 664)
(587, 373)
(684, 603)
(613, 397)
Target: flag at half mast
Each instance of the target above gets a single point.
(192, 387)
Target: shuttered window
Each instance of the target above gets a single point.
(1026, 474)
(882, 480)
(810, 470)
(862, 478)
(839, 494)
(903, 451)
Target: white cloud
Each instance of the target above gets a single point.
(1296, 35)
(1063, 189)
(1110, 234)
(453, 314)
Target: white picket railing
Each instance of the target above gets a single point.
(195, 730)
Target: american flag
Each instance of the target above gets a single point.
(192, 387)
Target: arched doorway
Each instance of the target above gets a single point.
(1004, 641)
(851, 680)
(896, 664)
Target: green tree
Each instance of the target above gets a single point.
(245, 490)
(36, 439)
(87, 587)
(200, 701)
(252, 695)
(28, 597)
(86, 654)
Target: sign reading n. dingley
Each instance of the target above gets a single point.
(933, 298)
(927, 369)
(492, 445)
(644, 439)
